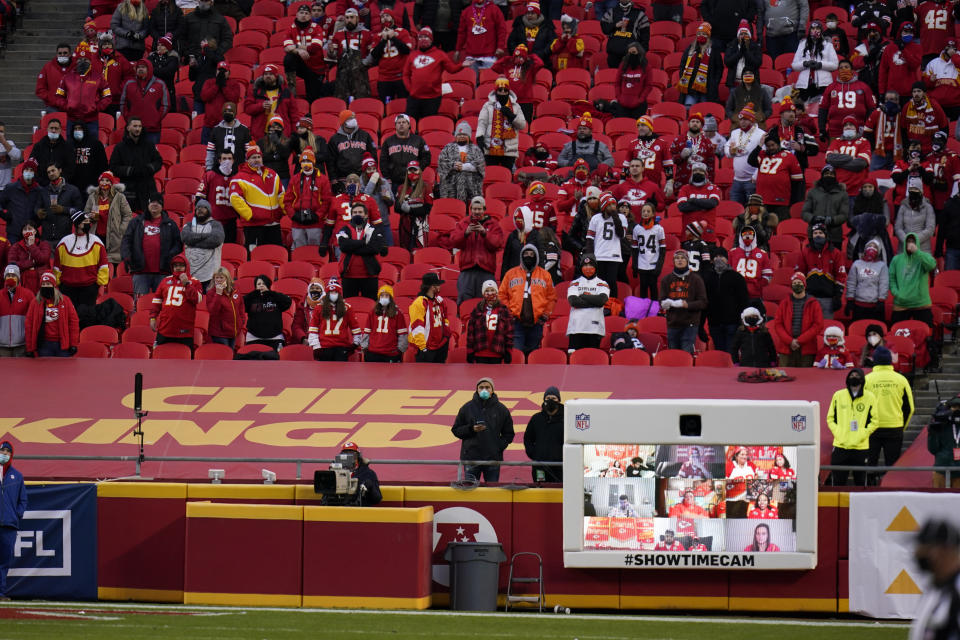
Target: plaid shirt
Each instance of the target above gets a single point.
(477, 334)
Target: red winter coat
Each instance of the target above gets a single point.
(213, 97)
(522, 77)
(13, 314)
(147, 98)
(488, 19)
(308, 192)
(32, 262)
(116, 70)
(253, 107)
(228, 316)
(423, 72)
(811, 328)
(477, 250)
(48, 81)
(82, 97)
(633, 86)
(64, 314)
(899, 69)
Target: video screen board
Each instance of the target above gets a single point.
(719, 492)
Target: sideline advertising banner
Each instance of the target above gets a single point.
(884, 579)
(55, 555)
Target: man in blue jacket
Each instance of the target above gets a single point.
(13, 502)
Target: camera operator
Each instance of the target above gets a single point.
(943, 441)
(368, 486)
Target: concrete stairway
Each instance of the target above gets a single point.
(46, 23)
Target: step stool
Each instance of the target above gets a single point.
(538, 580)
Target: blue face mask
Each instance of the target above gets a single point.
(352, 189)
(907, 38)
(484, 394)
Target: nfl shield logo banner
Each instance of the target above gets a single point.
(798, 423)
(583, 421)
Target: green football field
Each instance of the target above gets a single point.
(106, 621)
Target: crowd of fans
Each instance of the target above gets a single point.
(729, 206)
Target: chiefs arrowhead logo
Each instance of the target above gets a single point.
(422, 61)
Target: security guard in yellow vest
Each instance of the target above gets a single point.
(894, 408)
(851, 418)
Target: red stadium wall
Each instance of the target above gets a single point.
(157, 543)
(308, 410)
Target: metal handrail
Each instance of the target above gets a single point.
(298, 461)
(947, 471)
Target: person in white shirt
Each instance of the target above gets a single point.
(604, 234)
(10, 157)
(649, 248)
(742, 141)
(587, 296)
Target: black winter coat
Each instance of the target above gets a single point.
(198, 25)
(490, 443)
(948, 226)
(165, 19)
(543, 441)
(136, 163)
(91, 161)
(265, 313)
(541, 44)
(131, 249)
(750, 54)
(726, 294)
(19, 206)
(725, 16)
(61, 152)
(753, 348)
(367, 250)
(59, 222)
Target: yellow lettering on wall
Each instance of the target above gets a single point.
(233, 399)
(105, 431)
(320, 434)
(38, 431)
(187, 433)
(513, 400)
(452, 406)
(402, 435)
(338, 401)
(155, 399)
(402, 402)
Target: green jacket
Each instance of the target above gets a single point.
(910, 280)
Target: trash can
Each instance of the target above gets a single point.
(474, 574)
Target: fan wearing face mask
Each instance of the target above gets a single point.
(846, 96)
(752, 343)
(852, 417)
(228, 316)
(868, 284)
(701, 68)
(900, 63)
(360, 244)
(874, 339)
(683, 297)
(850, 156)
(823, 264)
(490, 329)
(827, 202)
(385, 337)
(726, 298)
(332, 333)
(921, 117)
(833, 353)
(882, 129)
(346, 149)
(52, 73)
(52, 325)
(20, 200)
(916, 216)
(815, 60)
(499, 124)
(693, 148)
(543, 438)
(220, 96)
(587, 296)
(944, 165)
(53, 148)
(797, 325)
(129, 23)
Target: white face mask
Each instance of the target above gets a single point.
(78, 135)
(4, 458)
(52, 135)
(874, 340)
(849, 134)
(351, 123)
(384, 300)
(334, 296)
(63, 60)
(226, 167)
(27, 174)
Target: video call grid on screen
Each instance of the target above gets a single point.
(737, 487)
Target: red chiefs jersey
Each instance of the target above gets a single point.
(334, 331)
(175, 307)
(859, 148)
(360, 40)
(392, 61)
(775, 176)
(936, 26)
(338, 215)
(703, 151)
(703, 192)
(543, 212)
(782, 473)
(763, 513)
(637, 193)
(885, 141)
(698, 547)
(662, 546)
(754, 266)
(384, 332)
(945, 168)
(310, 39)
(655, 155)
(568, 198)
(215, 188)
(844, 99)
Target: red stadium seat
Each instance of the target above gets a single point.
(253, 269)
(310, 254)
(296, 352)
(672, 358)
(859, 327)
(796, 227)
(268, 8)
(303, 271)
(590, 357)
(547, 355)
(274, 254)
(213, 351)
(92, 350)
(100, 333)
(633, 357)
(132, 351)
(140, 334)
(714, 359)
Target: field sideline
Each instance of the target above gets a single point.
(109, 621)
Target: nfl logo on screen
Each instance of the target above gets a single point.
(798, 423)
(583, 421)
